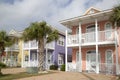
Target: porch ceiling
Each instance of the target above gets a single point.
(103, 15)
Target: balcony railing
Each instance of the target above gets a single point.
(50, 45)
(14, 47)
(34, 44)
(103, 36)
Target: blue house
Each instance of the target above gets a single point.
(54, 53)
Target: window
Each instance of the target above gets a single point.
(109, 56)
(60, 41)
(60, 59)
(49, 57)
(26, 57)
(108, 31)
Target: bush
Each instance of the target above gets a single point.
(32, 70)
(2, 65)
(62, 67)
(53, 67)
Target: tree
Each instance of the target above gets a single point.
(5, 41)
(115, 16)
(38, 31)
(115, 19)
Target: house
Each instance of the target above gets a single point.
(94, 42)
(54, 53)
(13, 52)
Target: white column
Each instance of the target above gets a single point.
(46, 57)
(29, 52)
(80, 56)
(22, 53)
(116, 48)
(97, 61)
(66, 67)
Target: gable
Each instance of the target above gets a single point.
(12, 32)
(91, 11)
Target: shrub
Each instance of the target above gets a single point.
(62, 67)
(2, 65)
(53, 67)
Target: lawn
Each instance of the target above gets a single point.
(20, 75)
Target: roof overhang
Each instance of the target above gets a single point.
(103, 15)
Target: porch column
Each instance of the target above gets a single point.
(97, 61)
(66, 67)
(80, 57)
(29, 53)
(116, 48)
(22, 57)
(46, 57)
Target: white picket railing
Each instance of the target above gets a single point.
(14, 47)
(103, 36)
(34, 44)
(104, 68)
(30, 63)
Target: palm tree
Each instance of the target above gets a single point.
(115, 16)
(38, 31)
(115, 19)
(5, 41)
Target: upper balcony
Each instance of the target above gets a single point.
(14, 47)
(104, 37)
(34, 45)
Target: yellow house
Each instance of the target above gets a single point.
(13, 55)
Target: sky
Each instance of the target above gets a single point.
(18, 14)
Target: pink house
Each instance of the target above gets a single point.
(94, 42)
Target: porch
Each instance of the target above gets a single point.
(86, 60)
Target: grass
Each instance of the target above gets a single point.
(20, 75)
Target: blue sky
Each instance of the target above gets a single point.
(18, 14)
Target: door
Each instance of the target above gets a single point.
(91, 60)
(109, 61)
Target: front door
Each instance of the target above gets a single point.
(91, 61)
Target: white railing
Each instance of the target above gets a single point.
(107, 68)
(71, 66)
(30, 63)
(34, 44)
(14, 47)
(26, 44)
(103, 36)
(73, 39)
(108, 35)
(50, 45)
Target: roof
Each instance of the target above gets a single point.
(87, 17)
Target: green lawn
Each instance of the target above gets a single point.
(20, 75)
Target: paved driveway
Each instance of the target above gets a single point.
(71, 76)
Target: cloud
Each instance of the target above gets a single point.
(18, 14)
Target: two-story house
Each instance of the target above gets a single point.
(94, 42)
(54, 53)
(12, 53)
